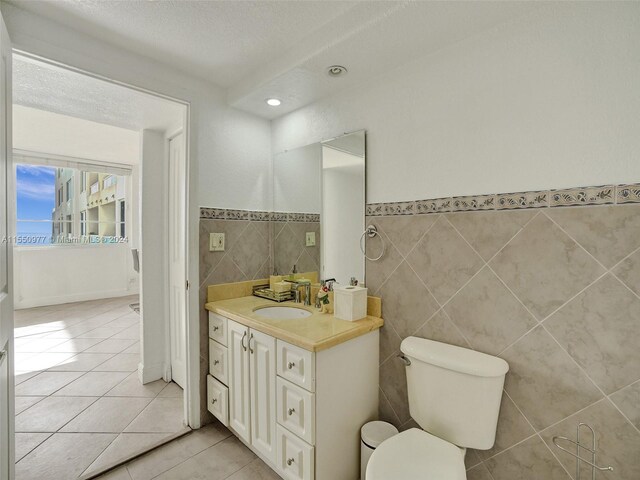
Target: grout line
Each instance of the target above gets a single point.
(390, 405)
(576, 241)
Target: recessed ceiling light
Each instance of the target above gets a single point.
(274, 102)
(336, 70)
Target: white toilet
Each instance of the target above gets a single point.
(454, 395)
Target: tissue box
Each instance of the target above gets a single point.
(350, 302)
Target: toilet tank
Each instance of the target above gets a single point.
(454, 392)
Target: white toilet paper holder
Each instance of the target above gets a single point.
(579, 445)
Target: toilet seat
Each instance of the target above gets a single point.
(416, 455)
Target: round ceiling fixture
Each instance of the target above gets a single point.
(273, 102)
(336, 70)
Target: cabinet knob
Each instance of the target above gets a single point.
(216, 362)
(216, 328)
(214, 400)
(290, 461)
(290, 365)
(292, 411)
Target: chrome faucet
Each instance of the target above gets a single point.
(307, 292)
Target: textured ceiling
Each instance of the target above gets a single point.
(262, 49)
(218, 40)
(57, 90)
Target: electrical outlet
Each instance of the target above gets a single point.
(311, 239)
(216, 242)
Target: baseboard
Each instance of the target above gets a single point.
(76, 297)
(150, 373)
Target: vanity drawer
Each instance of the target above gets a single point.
(295, 458)
(218, 400)
(218, 364)
(296, 365)
(295, 410)
(218, 328)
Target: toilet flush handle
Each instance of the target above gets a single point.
(406, 361)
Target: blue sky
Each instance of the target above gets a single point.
(36, 197)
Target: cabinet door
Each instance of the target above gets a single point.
(239, 398)
(262, 349)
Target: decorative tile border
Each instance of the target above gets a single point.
(583, 196)
(628, 193)
(602, 195)
(257, 216)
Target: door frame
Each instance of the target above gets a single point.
(192, 347)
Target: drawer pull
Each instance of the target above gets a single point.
(216, 328)
(216, 362)
(214, 400)
(242, 341)
(290, 461)
(292, 411)
(290, 365)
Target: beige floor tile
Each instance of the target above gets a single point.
(21, 377)
(135, 348)
(172, 390)
(216, 462)
(162, 415)
(122, 362)
(176, 452)
(25, 442)
(132, 332)
(92, 384)
(131, 387)
(111, 345)
(75, 345)
(46, 383)
(126, 445)
(101, 332)
(59, 458)
(41, 361)
(120, 473)
(51, 414)
(256, 470)
(107, 415)
(39, 345)
(22, 403)
(82, 362)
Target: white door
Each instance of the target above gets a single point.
(262, 360)
(177, 260)
(239, 397)
(6, 287)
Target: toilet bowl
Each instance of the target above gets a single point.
(454, 395)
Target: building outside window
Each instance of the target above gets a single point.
(93, 212)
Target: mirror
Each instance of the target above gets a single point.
(319, 208)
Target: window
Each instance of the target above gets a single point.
(50, 212)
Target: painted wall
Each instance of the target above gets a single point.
(51, 133)
(296, 180)
(546, 101)
(55, 275)
(230, 150)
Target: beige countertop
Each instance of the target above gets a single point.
(317, 332)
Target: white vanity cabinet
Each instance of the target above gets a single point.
(298, 410)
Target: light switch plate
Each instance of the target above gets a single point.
(311, 239)
(216, 242)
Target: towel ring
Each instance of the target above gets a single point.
(371, 232)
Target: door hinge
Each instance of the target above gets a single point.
(187, 284)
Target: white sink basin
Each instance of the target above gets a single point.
(286, 313)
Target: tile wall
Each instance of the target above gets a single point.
(249, 236)
(555, 291)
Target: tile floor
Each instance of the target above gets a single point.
(211, 453)
(79, 404)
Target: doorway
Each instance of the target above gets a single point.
(91, 371)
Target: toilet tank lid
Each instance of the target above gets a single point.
(454, 358)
